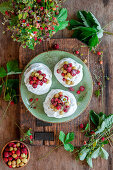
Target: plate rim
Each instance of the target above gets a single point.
(44, 112)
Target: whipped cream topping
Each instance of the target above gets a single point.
(75, 79)
(51, 113)
(44, 69)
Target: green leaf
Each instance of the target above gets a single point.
(75, 23)
(68, 147)
(2, 72)
(93, 41)
(62, 25)
(7, 97)
(29, 132)
(12, 67)
(89, 161)
(1, 88)
(87, 127)
(97, 93)
(69, 137)
(6, 6)
(82, 16)
(83, 153)
(95, 153)
(25, 15)
(104, 154)
(62, 136)
(94, 117)
(62, 16)
(13, 83)
(20, 16)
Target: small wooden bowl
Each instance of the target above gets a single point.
(16, 142)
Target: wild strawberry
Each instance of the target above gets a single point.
(58, 71)
(6, 154)
(77, 72)
(44, 75)
(6, 149)
(78, 92)
(92, 132)
(34, 78)
(30, 77)
(34, 85)
(6, 13)
(69, 69)
(14, 145)
(58, 107)
(18, 153)
(77, 52)
(5, 159)
(62, 74)
(37, 99)
(70, 65)
(46, 28)
(35, 38)
(39, 40)
(31, 82)
(41, 83)
(24, 150)
(65, 110)
(53, 28)
(56, 46)
(35, 32)
(13, 152)
(12, 103)
(81, 126)
(101, 62)
(56, 99)
(65, 66)
(73, 72)
(59, 101)
(23, 20)
(102, 138)
(44, 80)
(10, 158)
(42, 8)
(98, 53)
(71, 89)
(55, 103)
(11, 144)
(29, 7)
(64, 79)
(82, 88)
(37, 82)
(52, 100)
(39, 71)
(84, 142)
(10, 166)
(31, 99)
(27, 25)
(10, 153)
(98, 83)
(31, 137)
(41, 28)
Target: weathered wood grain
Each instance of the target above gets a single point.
(60, 159)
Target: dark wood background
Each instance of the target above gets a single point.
(60, 159)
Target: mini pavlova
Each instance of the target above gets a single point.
(68, 72)
(59, 103)
(38, 78)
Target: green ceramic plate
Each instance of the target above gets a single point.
(50, 59)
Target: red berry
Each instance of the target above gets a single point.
(77, 52)
(73, 72)
(12, 103)
(37, 99)
(44, 80)
(27, 25)
(38, 1)
(10, 153)
(101, 62)
(92, 132)
(98, 83)
(70, 65)
(6, 149)
(54, 104)
(30, 78)
(5, 160)
(24, 150)
(34, 78)
(77, 72)
(35, 38)
(46, 28)
(13, 152)
(39, 40)
(34, 85)
(41, 83)
(41, 28)
(62, 74)
(42, 8)
(11, 144)
(66, 97)
(81, 126)
(18, 153)
(82, 88)
(78, 92)
(84, 142)
(31, 99)
(98, 53)
(31, 82)
(71, 89)
(56, 46)
(10, 158)
(56, 99)
(69, 69)
(23, 20)
(58, 71)
(53, 28)
(14, 145)
(10, 166)
(37, 82)
(44, 75)
(58, 107)
(31, 137)
(65, 110)
(6, 12)
(65, 66)
(6, 154)
(39, 72)
(52, 100)
(64, 79)
(34, 107)
(35, 32)
(102, 138)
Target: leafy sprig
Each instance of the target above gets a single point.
(87, 28)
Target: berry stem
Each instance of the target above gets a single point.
(109, 33)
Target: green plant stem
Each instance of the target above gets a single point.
(5, 86)
(107, 25)
(50, 152)
(109, 33)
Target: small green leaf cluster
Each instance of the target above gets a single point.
(8, 85)
(31, 21)
(100, 136)
(66, 139)
(27, 135)
(87, 28)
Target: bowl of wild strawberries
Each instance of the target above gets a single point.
(15, 154)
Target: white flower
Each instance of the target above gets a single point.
(38, 18)
(23, 24)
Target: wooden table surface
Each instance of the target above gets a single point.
(59, 159)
